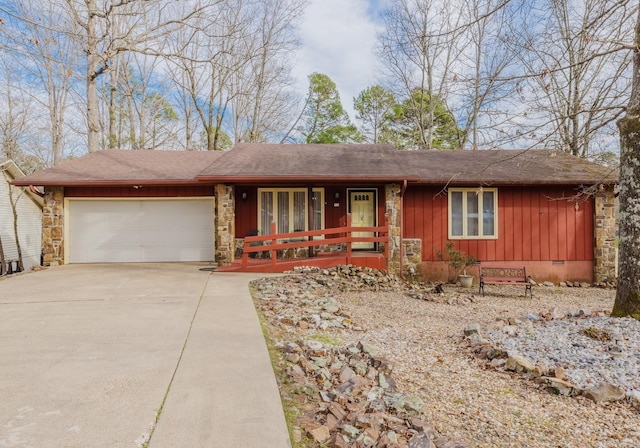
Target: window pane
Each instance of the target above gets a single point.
(283, 212)
(317, 210)
(472, 214)
(488, 213)
(456, 213)
(299, 211)
(266, 211)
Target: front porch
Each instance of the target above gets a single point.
(375, 260)
(280, 252)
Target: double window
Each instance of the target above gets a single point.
(289, 208)
(473, 213)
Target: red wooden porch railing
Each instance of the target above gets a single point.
(293, 240)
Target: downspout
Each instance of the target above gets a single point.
(402, 191)
(35, 191)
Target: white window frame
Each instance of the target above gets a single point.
(291, 191)
(478, 192)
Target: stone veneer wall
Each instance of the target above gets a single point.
(392, 207)
(605, 251)
(225, 224)
(53, 226)
(412, 254)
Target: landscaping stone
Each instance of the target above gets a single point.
(604, 392)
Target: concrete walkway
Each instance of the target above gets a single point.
(90, 353)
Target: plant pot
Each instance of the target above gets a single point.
(466, 280)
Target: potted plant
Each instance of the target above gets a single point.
(458, 261)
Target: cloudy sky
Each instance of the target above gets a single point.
(338, 38)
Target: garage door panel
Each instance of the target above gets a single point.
(140, 230)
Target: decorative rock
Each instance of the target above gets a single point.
(421, 440)
(314, 345)
(498, 362)
(476, 339)
(337, 411)
(604, 392)
(634, 398)
(351, 431)
(560, 387)
(368, 349)
(519, 364)
(473, 328)
(558, 373)
(297, 435)
(340, 441)
(347, 394)
(555, 314)
(548, 284)
(409, 403)
(346, 374)
(320, 434)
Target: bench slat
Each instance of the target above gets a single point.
(495, 275)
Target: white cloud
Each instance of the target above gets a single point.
(339, 38)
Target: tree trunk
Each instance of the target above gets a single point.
(627, 301)
(93, 62)
(15, 229)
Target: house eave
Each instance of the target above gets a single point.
(302, 179)
(108, 183)
(518, 183)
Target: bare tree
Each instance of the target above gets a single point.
(578, 79)
(481, 79)
(264, 103)
(207, 64)
(140, 115)
(46, 58)
(418, 48)
(15, 194)
(454, 52)
(142, 27)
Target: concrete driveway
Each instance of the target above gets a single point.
(123, 355)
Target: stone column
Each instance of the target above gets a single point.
(53, 226)
(392, 210)
(605, 251)
(225, 224)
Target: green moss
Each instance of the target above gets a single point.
(326, 339)
(627, 307)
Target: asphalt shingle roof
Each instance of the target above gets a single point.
(253, 162)
(317, 161)
(110, 167)
(523, 167)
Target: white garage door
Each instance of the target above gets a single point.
(105, 231)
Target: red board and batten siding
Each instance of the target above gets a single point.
(537, 227)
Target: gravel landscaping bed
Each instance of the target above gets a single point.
(421, 334)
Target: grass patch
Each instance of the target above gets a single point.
(326, 339)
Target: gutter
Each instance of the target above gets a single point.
(106, 183)
(252, 179)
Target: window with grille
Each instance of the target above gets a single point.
(288, 207)
(473, 213)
